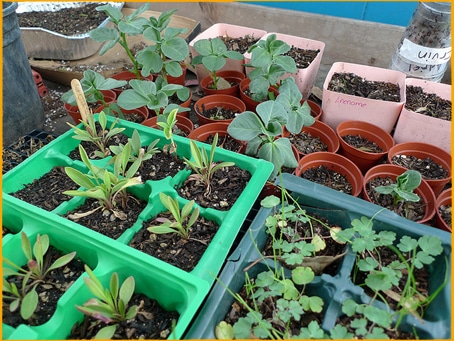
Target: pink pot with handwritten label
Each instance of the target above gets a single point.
(338, 107)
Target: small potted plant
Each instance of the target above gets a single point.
(218, 108)
(239, 38)
(213, 55)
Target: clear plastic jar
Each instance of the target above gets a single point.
(425, 48)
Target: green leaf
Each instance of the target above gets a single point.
(349, 307)
(29, 304)
(312, 303)
(407, 244)
(378, 281)
(270, 201)
(430, 245)
(127, 289)
(367, 264)
(378, 316)
(290, 292)
(106, 333)
(62, 261)
(302, 275)
(246, 126)
(224, 331)
(340, 332)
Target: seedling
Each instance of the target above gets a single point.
(123, 26)
(182, 220)
(38, 267)
(269, 64)
(108, 188)
(403, 189)
(110, 305)
(203, 165)
(99, 137)
(137, 151)
(167, 48)
(167, 126)
(261, 130)
(213, 55)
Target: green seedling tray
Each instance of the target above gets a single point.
(230, 221)
(172, 288)
(341, 209)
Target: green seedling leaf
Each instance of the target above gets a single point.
(224, 331)
(29, 304)
(106, 333)
(311, 303)
(430, 245)
(407, 244)
(318, 242)
(302, 275)
(349, 307)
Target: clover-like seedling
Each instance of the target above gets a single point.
(213, 54)
(203, 165)
(182, 221)
(35, 273)
(403, 189)
(110, 305)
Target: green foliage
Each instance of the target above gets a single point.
(213, 55)
(203, 165)
(269, 64)
(403, 189)
(123, 26)
(110, 305)
(167, 122)
(93, 83)
(182, 220)
(167, 50)
(38, 267)
(154, 95)
(99, 137)
(107, 187)
(137, 151)
(261, 130)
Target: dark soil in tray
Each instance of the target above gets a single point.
(329, 178)
(351, 84)
(152, 322)
(105, 223)
(411, 210)
(225, 142)
(66, 21)
(54, 286)
(47, 191)
(172, 248)
(427, 104)
(428, 168)
(160, 166)
(362, 143)
(226, 186)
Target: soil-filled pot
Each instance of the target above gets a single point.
(338, 106)
(231, 76)
(306, 74)
(73, 110)
(183, 123)
(322, 136)
(225, 32)
(333, 289)
(432, 162)
(22, 108)
(250, 103)
(384, 171)
(204, 132)
(127, 76)
(422, 124)
(221, 108)
(333, 163)
(364, 156)
(443, 216)
(138, 115)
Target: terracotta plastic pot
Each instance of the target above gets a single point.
(422, 151)
(316, 110)
(142, 111)
(183, 123)
(213, 101)
(127, 76)
(393, 171)
(322, 131)
(203, 132)
(444, 199)
(180, 79)
(335, 162)
(338, 107)
(223, 30)
(415, 127)
(231, 76)
(250, 103)
(363, 159)
(73, 110)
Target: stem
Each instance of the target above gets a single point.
(124, 44)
